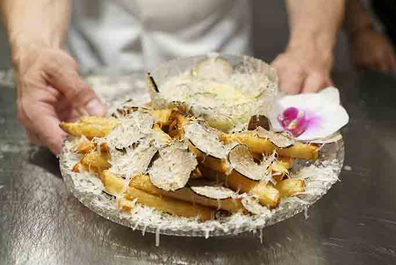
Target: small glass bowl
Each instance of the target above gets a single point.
(225, 117)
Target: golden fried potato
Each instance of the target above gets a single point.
(142, 182)
(99, 120)
(85, 146)
(264, 146)
(89, 130)
(163, 116)
(280, 168)
(290, 187)
(124, 204)
(176, 126)
(267, 194)
(115, 185)
(97, 160)
(196, 174)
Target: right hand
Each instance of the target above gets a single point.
(371, 51)
(50, 90)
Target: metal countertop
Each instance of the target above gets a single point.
(355, 223)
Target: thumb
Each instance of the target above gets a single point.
(64, 77)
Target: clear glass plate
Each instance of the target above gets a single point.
(115, 87)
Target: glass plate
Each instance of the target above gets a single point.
(115, 87)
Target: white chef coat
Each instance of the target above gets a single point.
(140, 34)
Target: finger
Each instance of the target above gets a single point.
(62, 74)
(314, 83)
(68, 115)
(50, 133)
(329, 82)
(291, 82)
(392, 63)
(33, 138)
(43, 124)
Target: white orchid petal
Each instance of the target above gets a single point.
(330, 120)
(330, 95)
(323, 111)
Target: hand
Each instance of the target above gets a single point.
(50, 90)
(303, 69)
(372, 51)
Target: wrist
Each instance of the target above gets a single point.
(24, 50)
(317, 41)
(312, 46)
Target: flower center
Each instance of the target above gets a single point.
(293, 120)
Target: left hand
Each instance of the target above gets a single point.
(304, 69)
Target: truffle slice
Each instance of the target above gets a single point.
(172, 169)
(242, 161)
(279, 139)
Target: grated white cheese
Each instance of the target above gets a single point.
(212, 192)
(130, 130)
(253, 206)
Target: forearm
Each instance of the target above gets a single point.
(314, 21)
(356, 18)
(33, 24)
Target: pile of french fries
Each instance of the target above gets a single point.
(184, 202)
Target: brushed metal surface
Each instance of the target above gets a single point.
(355, 223)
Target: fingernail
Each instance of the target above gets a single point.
(95, 108)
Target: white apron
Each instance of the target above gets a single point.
(140, 34)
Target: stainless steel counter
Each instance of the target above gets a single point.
(355, 223)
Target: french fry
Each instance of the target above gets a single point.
(79, 167)
(163, 116)
(266, 193)
(88, 130)
(96, 160)
(124, 204)
(290, 187)
(280, 168)
(142, 182)
(208, 161)
(185, 194)
(85, 146)
(99, 120)
(196, 174)
(264, 146)
(286, 162)
(115, 185)
(176, 127)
